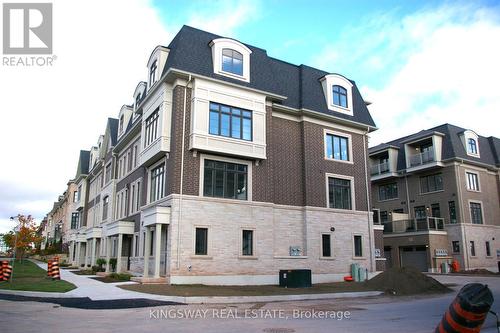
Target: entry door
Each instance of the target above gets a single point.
(414, 256)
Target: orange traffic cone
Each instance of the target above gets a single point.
(55, 270)
(49, 267)
(3, 270)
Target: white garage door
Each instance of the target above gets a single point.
(415, 256)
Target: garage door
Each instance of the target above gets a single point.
(415, 256)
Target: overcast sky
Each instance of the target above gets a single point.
(420, 66)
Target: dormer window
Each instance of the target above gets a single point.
(338, 93)
(231, 58)
(339, 96)
(232, 61)
(472, 146)
(152, 73)
(121, 124)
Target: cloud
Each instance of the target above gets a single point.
(431, 67)
(224, 17)
(49, 114)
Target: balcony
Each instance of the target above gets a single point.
(379, 169)
(422, 158)
(414, 225)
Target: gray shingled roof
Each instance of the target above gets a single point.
(452, 146)
(83, 163)
(190, 52)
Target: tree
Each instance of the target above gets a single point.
(23, 237)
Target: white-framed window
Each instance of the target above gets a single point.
(105, 207)
(231, 58)
(247, 242)
(201, 240)
(121, 204)
(151, 127)
(471, 142)
(107, 173)
(472, 181)
(338, 93)
(340, 192)
(357, 246)
(338, 146)
(152, 73)
(223, 177)
(326, 245)
(476, 212)
(135, 196)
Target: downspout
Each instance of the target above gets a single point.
(370, 224)
(407, 196)
(462, 217)
(182, 173)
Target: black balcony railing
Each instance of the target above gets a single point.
(414, 225)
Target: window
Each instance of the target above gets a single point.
(472, 249)
(105, 205)
(453, 212)
(247, 243)
(230, 122)
(135, 156)
(358, 246)
(339, 96)
(75, 219)
(435, 210)
(388, 191)
(121, 123)
(337, 147)
(431, 183)
(420, 213)
(201, 242)
(225, 180)
(232, 61)
(79, 192)
(135, 192)
(136, 245)
(476, 213)
(152, 73)
(472, 181)
(472, 146)
(455, 246)
(75, 196)
(157, 183)
(151, 128)
(488, 249)
(339, 193)
(383, 216)
(326, 245)
(107, 175)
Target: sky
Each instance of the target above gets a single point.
(420, 63)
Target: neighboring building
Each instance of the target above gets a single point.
(229, 166)
(437, 194)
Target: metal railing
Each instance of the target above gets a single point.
(422, 158)
(380, 168)
(414, 225)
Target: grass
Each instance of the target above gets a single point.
(28, 276)
(113, 277)
(204, 290)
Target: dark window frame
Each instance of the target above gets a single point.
(345, 187)
(472, 146)
(233, 56)
(201, 241)
(213, 170)
(247, 244)
(455, 246)
(358, 246)
(340, 93)
(151, 127)
(476, 212)
(326, 245)
(431, 183)
(472, 248)
(332, 147)
(452, 211)
(152, 73)
(234, 113)
(388, 191)
(157, 183)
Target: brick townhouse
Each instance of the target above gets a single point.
(437, 194)
(228, 166)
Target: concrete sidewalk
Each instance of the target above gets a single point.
(96, 290)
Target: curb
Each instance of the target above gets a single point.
(212, 299)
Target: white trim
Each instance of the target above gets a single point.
(326, 132)
(468, 134)
(148, 173)
(467, 171)
(249, 164)
(353, 197)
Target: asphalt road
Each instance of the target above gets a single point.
(377, 314)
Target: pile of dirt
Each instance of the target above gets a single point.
(406, 281)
